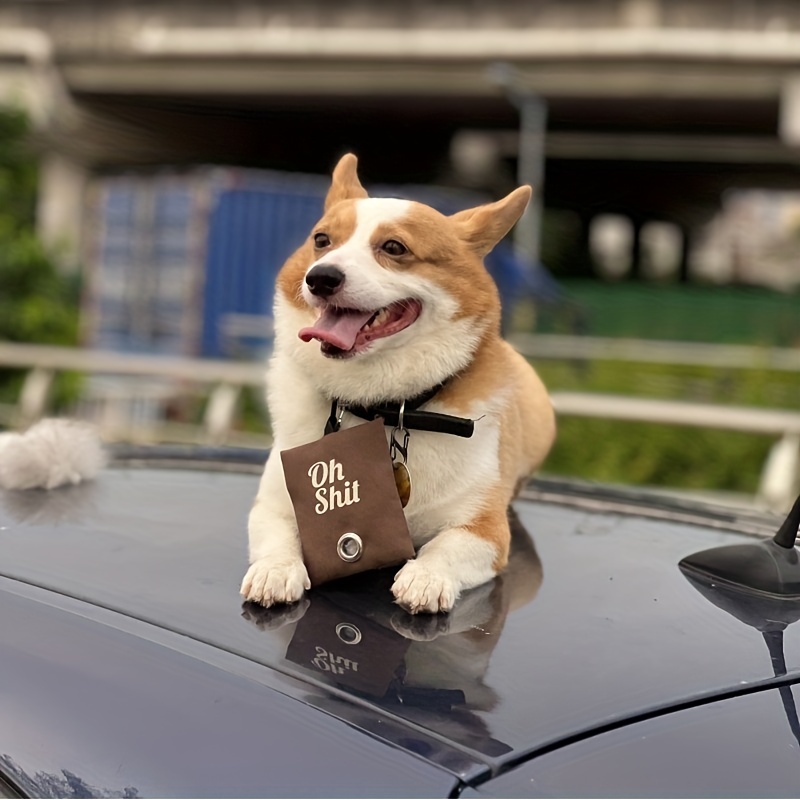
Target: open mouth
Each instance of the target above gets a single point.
(345, 332)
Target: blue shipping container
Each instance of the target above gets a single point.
(185, 263)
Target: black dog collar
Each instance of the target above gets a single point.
(413, 418)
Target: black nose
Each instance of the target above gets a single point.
(324, 280)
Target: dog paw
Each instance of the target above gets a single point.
(420, 627)
(420, 591)
(277, 617)
(269, 583)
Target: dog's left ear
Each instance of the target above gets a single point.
(345, 184)
(483, 227)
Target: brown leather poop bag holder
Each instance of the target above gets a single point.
(346, 503)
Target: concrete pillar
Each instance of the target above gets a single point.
(60, 210)
(661, 249)
(610, 241)
(686, 247)
(636, 251)
(530, 170)
(530, 156)
(789, 116)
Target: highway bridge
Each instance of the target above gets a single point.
(650, 108)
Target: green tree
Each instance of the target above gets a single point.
(37, 303)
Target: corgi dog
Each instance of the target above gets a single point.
(386, 301)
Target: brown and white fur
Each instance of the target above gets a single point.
(441, 325)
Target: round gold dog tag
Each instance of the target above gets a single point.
(402, 480)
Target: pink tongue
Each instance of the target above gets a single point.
(337, 327)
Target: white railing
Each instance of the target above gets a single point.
(597, 348)
(163, 374)
(779, 478)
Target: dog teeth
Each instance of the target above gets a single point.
(379, 318)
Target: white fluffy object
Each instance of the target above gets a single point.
(52, 453)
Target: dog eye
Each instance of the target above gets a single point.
(394, 248)
(321, 240)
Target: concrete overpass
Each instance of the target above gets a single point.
(653, 107)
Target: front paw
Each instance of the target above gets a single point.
(420, 627)
(268, 582)
(273, 619)
(421, 591)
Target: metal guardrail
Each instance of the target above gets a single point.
(227, 379)
(595, 348)
(60, 359)
(779, 479)
(769, 421)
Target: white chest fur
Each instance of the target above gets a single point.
(450, 475)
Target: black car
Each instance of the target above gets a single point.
(594, 666)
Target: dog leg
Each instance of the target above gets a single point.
(277, 573)
(455, 560)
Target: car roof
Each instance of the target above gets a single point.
(592, 624)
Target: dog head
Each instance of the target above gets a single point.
(387, 297)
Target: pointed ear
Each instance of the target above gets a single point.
(345, 184)
(483, 227)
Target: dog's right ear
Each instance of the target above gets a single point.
(345, 184)
(483, 227)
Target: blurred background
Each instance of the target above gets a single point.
(160, 159)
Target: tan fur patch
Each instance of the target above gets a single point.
(527, 431)
(440, 255)
(491, 525)
(527, 424)
(339, 223)
(527, 427)
(483, 378)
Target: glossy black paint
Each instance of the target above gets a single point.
(738, 747)
(94, 709)
(120, 598)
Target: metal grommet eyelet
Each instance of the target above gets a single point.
(349, 547)
(348, 633)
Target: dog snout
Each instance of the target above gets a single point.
(324, 280)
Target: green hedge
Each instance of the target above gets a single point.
(679, 312)
(662, 455)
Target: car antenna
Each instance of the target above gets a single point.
(788, 532)
(770, 567)
(759, 584)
